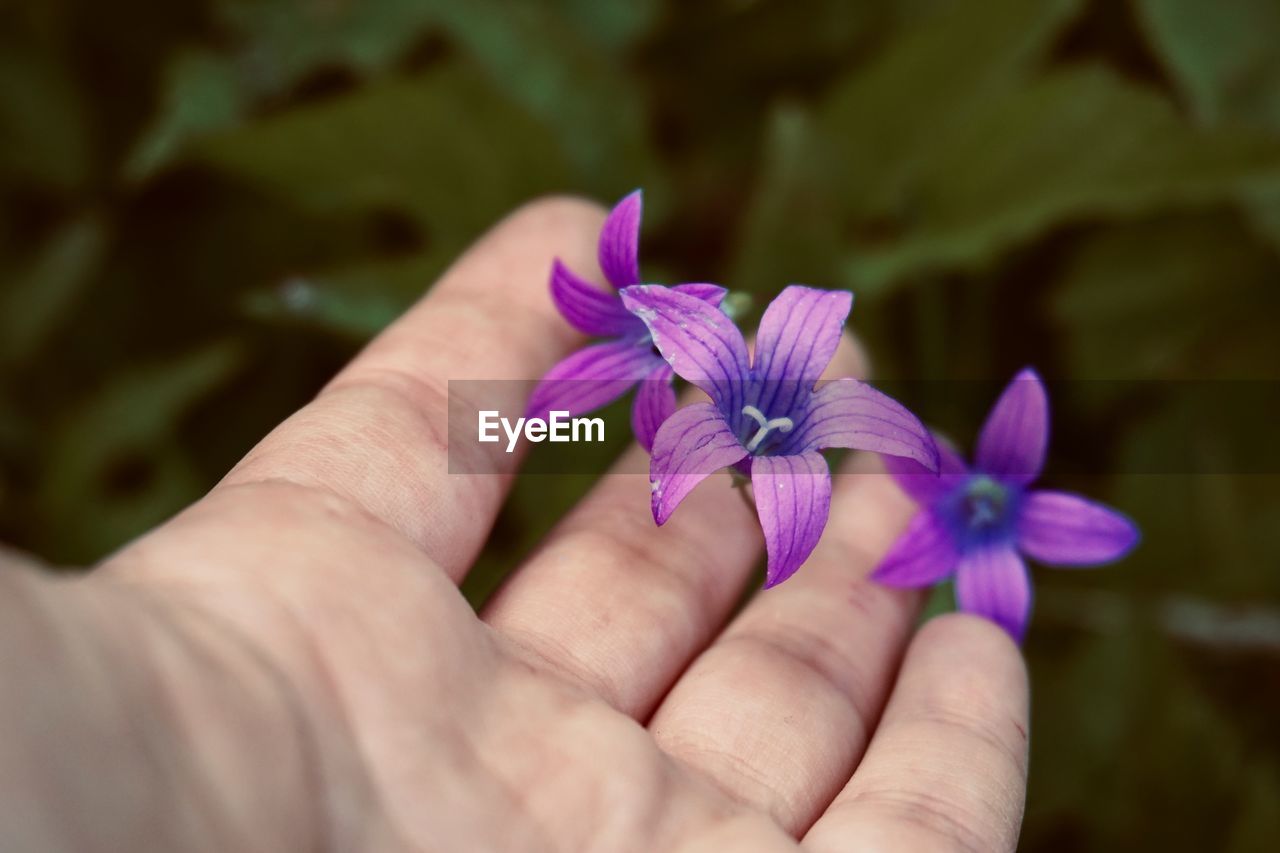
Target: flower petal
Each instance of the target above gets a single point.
(691, 444)
(712, 294)
(654, 403)
(798, 336)
(700, 343)
(924, 554)
(992, 581)
(793, 500)
(619, 248)
(849, 413)
(588, 308)
(1012, 443)
(800, 331)
(922, 485)
(592, 377)
(1062, 529)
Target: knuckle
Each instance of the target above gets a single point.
(933, 820)
(414, 408)
(990, 733)
(675, 572)
(290, 507)
(813, 660)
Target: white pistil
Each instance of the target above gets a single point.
(766, 425)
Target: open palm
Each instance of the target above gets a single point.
(296, 668)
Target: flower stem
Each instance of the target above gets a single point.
(741, 483)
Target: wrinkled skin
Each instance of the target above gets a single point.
(288, 664)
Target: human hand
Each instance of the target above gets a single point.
(288, 663)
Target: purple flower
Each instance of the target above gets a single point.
(765, 417)
(978, 523)
(598, 374)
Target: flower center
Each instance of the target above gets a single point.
(985, 503)
(764, 426)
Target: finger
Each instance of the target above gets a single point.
(779, 709)
(377, 435)
(947, 769)
(621, 605)
(12, 558)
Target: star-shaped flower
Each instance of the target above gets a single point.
(598, 374)
(977, 523)
(765, 417)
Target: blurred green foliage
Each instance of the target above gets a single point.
(206, 206)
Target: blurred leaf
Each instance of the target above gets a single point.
(565, 74)
(35, 299)
(719, 72)
(864, 148)
(275, 45)
(1122, 728)
(578, 90)
(1202, 530)
(1258, 826)
(43, 133)
(791, 229)
(355, 302)
(1174, 298)
(201, 94)
(1265, 213)
(442, 146)
(743, 46)
(940, 599)
(1224, 57)
(286, 39)
(117, 452)
(885, 120)
(948, 148)
(1223, 54)
(615, 26)
(1075, 143)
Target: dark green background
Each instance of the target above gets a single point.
(206, 206)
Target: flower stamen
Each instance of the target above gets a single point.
(985, 502)
(765, 426)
